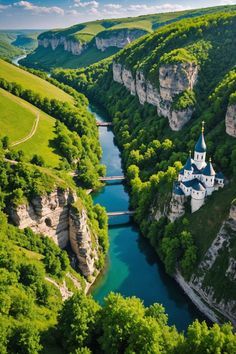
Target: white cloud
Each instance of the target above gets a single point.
(93, 3)
(113, 6)
(72, 12)
(39, 9)
(4, 7)
(157, 8)
(228, 2)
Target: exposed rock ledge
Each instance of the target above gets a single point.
(117, 38)
(55, 216)
(75, 47)
(173, 80)
(195, 298)
(230, 120)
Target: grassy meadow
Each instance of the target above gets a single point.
(29, 81)
(16, 120)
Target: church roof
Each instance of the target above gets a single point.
(188, 183)
(181, 172)
(177, 190)
(196, 170)
(188, 165)
(220, 175)
(209, 170)
(201, 145)
(197, 186)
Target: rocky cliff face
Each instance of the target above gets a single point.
(173, 80)
(83, 243)
(75, 47)
(53, 215)
(230, 120)
(198, 282)
(117, 38)
(176, 208)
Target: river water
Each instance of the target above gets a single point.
(133, 267)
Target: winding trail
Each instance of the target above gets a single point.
(30, 135)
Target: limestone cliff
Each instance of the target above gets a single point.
(230, 120)
(47, 214)
(176, 207)
(173, 80)
(53, 215)
(219, 262)
(69, 45)
(83, 242)
(117, 38)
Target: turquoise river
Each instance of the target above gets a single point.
(133, 267)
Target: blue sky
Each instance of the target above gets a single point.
(44, 14)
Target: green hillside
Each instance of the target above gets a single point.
(86, 33)
(28, 41)
(8, 51)
(17, 120)
(12, 73)
(13, 42)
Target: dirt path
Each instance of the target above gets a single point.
(29, 136)
(65, 293)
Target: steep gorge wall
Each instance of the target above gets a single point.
(104, 40)
(174, 79)
(230, 120)
(53, 215)
(117, 38)
(69, 45)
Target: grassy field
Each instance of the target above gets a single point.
(16, 119)
(28, 81)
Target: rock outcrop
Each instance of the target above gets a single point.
(173, 80)
(83, 242)
(47, 215)
(69, 45)
(176, 208)
(55, 216)
(230, 120)
(198, 283)
(117, 38)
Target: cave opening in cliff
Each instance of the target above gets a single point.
(48, 222)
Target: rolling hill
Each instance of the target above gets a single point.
(90, 42)
(29, 81)
(17, 120)
(12, 42)
(8, 51)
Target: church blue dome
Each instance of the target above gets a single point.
(209, 170)
(188, 165)
(201, 145)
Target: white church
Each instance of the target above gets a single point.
(198, 179)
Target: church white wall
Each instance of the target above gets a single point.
(200, 159)
(196, 204)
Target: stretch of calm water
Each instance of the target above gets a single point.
(133, 267)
